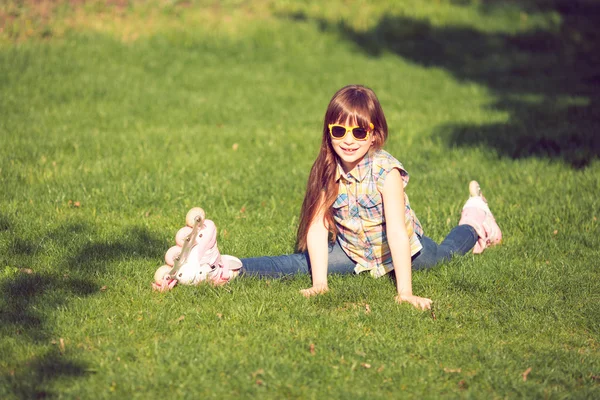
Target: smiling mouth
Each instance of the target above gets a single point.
(349, 150)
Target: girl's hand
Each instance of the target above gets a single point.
(315, 290)
(421, 303)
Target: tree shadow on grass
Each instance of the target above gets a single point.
(136, 243)
(28, 298)
(547, 81)
(32, 380)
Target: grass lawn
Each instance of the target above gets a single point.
(117, 117)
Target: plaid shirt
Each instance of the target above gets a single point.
(358, 213)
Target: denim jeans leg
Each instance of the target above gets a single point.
(338, 261)
(276, 267)
(297, 263)
(460, 240)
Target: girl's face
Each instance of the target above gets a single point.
(349, 150)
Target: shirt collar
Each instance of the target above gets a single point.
(359, 172)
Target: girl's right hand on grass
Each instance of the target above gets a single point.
(315, 290)
(422, 303)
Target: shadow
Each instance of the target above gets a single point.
(28, 298)
(136, 243)
(5, 223)
(547, 81)
(31, 381)
(28, 295)
(86, 256)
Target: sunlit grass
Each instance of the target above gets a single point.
(125, 116)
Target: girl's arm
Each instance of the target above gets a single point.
(318, 252)
(397, 237)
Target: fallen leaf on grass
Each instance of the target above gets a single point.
(181, 318)
(235, 147)
(103, 288)
(61, 345)
(462, 385)
(451, 370)
(381, 368)
(367, 309)
(555, 232)
(259, 382)
(27, 271)
(311, 348)
(365, 365)
(525, 374)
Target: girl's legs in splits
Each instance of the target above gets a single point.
(460, 240)
(477, 230)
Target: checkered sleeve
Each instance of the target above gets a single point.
(383, 164)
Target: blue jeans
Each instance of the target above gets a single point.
(460, 240)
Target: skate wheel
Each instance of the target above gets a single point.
(193, 214)
(172, 254)
(182, 235)
(160, 273)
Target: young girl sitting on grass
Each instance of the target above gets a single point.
(356, 216)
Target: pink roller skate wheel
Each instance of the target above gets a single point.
(160, 273)
(190, 218)
(182, 234)
(171, 254)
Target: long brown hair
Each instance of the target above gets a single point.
(353, 102)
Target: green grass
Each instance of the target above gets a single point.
(115, 120)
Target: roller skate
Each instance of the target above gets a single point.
(195, 258)
(477, 214)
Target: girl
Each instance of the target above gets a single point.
(356, 216)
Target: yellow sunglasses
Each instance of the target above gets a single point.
(339, 132)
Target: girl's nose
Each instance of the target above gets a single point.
(349, 138)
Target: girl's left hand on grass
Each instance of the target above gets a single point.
(315, 290)
(421, 303)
